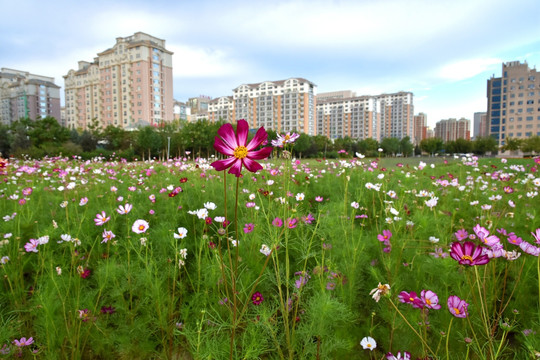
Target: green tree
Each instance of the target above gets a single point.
(302, 144)
(512, 144)
(48, 132)
(432, 145)
(482, 145)
(148, 142)
(406, 146)
(88, 141)
(531, 144)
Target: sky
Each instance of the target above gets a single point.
(442, 51)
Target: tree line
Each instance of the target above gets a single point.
(46, 137)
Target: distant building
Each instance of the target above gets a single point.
(419, 128)
(180, 110)
(128, 85)
(283, 105)
(355, 117)
(452, 129)
(480, 125)
(514, 102)
(23, 94)
(397, 112)
(335, 95)
(430, 133)
(222, 108)
(199, 104)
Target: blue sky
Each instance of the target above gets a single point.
(442, 51)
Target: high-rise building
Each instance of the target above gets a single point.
(284, 105)
(452, 129)
(355, 117)
(480, 125)
(514, 102)
(419, 128)
(128, 85)
(199, 104)
(222, 108)
(396, 114)
(335, 95)
(23, 94)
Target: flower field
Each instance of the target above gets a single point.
(345, 259)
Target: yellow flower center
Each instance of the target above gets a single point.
(411, 299)
(368, 345)
(428, 301)
(240, 152)
(287, 137)
(456, 310)
(466, 257)
(141, 227)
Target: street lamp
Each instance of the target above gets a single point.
(168, 146)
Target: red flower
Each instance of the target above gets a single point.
(468, 254)
(257, 298)
(239, 153)
(85, 273)
(183, 180)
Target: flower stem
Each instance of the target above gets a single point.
(448, 338)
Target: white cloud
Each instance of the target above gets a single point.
(465, 69)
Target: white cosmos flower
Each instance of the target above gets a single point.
(140, 226)
(182, 233)
(368, 343)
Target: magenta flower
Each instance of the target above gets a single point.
(107, 235)
(31, 245)
(468, 254)
(461, 234)
(536, 235)
(277, 222)
(257, 298)
(101, 218)
(406, 356)
(23, 341)
(291, 223)
(239, 153)
(410, 298)
(248, 228)
(385, 236)
(430, 299)
(318, 198)
(457, 307)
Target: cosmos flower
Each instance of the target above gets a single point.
(406, 356)
(107, 235)
(181, 233)
(23, 342)
(265, 250)
(430, 299)
(288, 138)
(101, 218)
(257, 298)
(239, 153)
(248, 228)
(410, 298)
(140, 226)
(457, 307)
(468, 254)
(385, 236)
(124, 209)
(368, 343)
(31, 245)
(379, 291)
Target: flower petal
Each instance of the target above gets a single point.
(260, 154)
(242, 129)
(252, 165)
(260, 136)
(223, 164)
(226, 132)
(236, 167)
(223, 147)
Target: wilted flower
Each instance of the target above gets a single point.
(379, 291)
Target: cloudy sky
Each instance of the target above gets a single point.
(443, 51)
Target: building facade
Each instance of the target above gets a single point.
(284, 105)
(452, 129)
(222, 108)
(355, 117)
(23, 94)
(514, 103)
(480, 125)
(419, 128)
(396, 114)
(128, 85)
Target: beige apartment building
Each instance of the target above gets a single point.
(369, 116)
(355, 117)
(222, 108)
(284, 105)
(514, 102)
(452, 129)
(419, 128)
(129, 85)
(23, 94)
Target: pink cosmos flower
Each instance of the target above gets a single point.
(430, 299)
(386, 235)
(124, 209)
(536, 235)
(107, 235)
(406, 356)
(23, 341)
(27, 191)
(140, 226)
(318, 198)
(468, 254)
(248, 228)
(461, 234)
(240, 154)
(291, 223)
(31, 246)
(410, 298)
(277, 222)
(457, 307)
(101, 218)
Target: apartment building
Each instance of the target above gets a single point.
(221, 108)
(23, 94)
(480, 125)
(514, 102)
(452, 129)
(396, 115)
(419, 128)
(355, 117)
(128, 85)
(283, 105)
